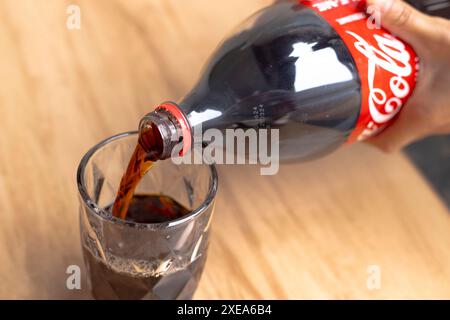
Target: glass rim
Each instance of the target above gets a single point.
(101, 213)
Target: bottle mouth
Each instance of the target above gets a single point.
(168, 129)
(174, 110)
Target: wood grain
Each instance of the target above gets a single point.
(309, 232)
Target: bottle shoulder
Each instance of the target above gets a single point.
(283, 49)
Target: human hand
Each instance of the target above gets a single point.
(427, 112)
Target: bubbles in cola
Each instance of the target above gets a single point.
(114, 277)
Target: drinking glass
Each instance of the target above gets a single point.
(128, 260)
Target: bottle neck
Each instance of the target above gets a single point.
(172, 129)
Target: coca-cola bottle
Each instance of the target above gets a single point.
(321, 72)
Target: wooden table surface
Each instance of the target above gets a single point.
(312, 231)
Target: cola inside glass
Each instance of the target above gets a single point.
(124, 279)
(159, 250)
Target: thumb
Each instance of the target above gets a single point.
(402, 20)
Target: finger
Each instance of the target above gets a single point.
(445, 129)
(406, 129)
(403, 20)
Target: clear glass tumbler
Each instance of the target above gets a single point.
(127, 260)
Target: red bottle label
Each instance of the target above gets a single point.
(388, 67)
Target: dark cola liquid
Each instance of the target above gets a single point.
(154, 209)
(140, 162)
(109, 284)
(125, 279)
(122, 280)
